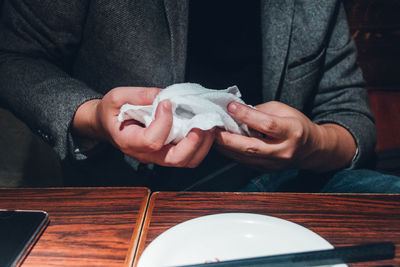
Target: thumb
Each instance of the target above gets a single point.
(133, 95)
(268, 124)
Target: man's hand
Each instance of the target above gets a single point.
(99, 119)
(285, 138)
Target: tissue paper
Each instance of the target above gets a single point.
(193, 106)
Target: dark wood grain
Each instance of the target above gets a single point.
(88, 226)
(341, 219)
(375, 26)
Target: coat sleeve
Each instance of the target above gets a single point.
(342, 97)
(38, 43)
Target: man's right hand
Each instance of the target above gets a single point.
(98, 119)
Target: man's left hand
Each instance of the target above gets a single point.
(283, 138)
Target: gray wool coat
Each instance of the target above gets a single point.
(55, 55)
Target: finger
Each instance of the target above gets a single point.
(133, 138)
(261, 164)
(276, 108)
(180, 154)
(157, 132)
(145, 95)
(125, 138)
(272, 126)
(133, 95)
(203, 150)
(248, 146)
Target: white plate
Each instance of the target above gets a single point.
(229, 236)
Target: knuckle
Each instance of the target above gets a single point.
(252, 150)
(243, 112)
(287, 155)
(268, 125)
(274, 104)
(153, 145)
(298, 133)
(114, 98)
(176, 162)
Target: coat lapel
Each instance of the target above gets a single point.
(276, 19)
(177, 17)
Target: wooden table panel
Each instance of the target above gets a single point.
(88, 226)
(342, 219)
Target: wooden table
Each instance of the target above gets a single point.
(88, 226)
(342, 219)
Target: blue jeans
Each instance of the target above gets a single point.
(344, 181)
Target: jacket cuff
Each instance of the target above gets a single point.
(60, 99)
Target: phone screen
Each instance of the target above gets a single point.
(19, 230)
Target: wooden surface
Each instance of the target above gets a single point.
(340, 219)
(88, 226)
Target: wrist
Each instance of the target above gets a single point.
(333, 148)
(315, 147)
(86, 122)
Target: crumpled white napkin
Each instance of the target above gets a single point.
(193, 106)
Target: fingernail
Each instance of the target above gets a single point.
(232, 107)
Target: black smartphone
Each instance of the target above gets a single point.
(19, 230)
